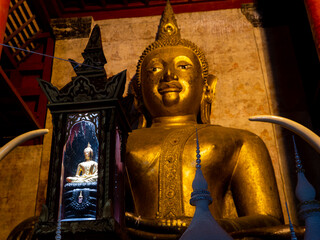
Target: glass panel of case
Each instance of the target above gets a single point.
(79, 171)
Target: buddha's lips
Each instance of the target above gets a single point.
(173, 86)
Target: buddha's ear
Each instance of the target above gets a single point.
(134, 107)
(207, 98)
(142, 121)
(142, 117)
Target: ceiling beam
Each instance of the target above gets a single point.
(138, 9)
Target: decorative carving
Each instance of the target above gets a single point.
(254, 16)
(93, 55)
(80, 200)
(170, 192)
(107, 224)
(90, 83)
(82, 89)
(92, 117)
(168, 28)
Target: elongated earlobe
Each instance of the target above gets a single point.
(207, 98)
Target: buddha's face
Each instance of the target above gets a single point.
(171, 81)
(87, 154)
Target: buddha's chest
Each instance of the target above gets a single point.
(157, 154)
(161, 168)
(87, 167)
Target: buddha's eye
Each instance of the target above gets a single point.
(184, 66)
(154, 69)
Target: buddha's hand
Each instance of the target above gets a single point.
(281, 232)
(177, 225)
(229, 225)
(248, 222)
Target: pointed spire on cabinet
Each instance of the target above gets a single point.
(203, 226)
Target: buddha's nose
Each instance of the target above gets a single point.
(169, 75)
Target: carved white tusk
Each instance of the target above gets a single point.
(20, 139)
(309, 136)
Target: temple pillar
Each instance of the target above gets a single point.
(4, 9)
(313, 10)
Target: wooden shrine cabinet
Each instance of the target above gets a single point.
(85, 193)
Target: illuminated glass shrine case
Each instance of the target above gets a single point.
(85, 192)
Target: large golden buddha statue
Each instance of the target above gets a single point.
(174, 92)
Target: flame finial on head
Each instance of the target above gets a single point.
(168, 28)
(88, 150)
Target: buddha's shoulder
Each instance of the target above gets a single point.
(208, 130)
(226, 135)
(225, 131)
(144, 137)
(142, 134)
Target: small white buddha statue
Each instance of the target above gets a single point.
(87, 171)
